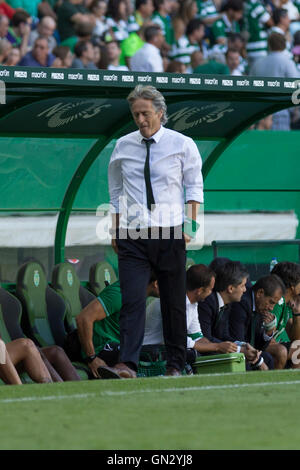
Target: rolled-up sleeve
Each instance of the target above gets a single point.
(192, 174)
(115, 182)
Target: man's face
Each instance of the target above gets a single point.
(40, 50)
(236, 292)
(47, 28)
(204, 292)
(89, 52)
(3, 26)
(199, 33)
(235, 15)
(265, 303)
(147, 119)
(113, 51)
(147, 8)
(233, 60)
(296, 289)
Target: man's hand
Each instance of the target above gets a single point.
(226, 347)
(268, 318)
(97, 362)
(187, 239)
(251, 354)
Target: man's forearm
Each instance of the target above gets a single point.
(192, 209)
(85, 334)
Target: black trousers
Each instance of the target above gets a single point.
(167, 257)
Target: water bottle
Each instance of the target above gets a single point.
(273, 263)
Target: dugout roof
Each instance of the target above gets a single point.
(48, 116)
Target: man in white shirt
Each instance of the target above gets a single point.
(151, 173)
(148, 58)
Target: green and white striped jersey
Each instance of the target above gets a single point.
(222, 27)
(206, 9)
(182, 50)
(165, 23)
(120, 28)
(255, 17)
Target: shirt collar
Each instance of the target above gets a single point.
(220, 300)
(156, 137)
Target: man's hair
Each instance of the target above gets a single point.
(235, 5)
(279, 13)
(231, 49)
(297, 38)
(276, 42)
(288, 272)
(61, 51)
(84, 29)
(21, 16)
(198, 275)
(139, 3)
(231, 273)
(270, 284)
(151, 31)
(149, 92)
(235, 36)
(80, 48)
(193, 25)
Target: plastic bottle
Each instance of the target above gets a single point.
(273, 263)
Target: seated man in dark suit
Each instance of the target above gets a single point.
(251, 319)
(231, 278)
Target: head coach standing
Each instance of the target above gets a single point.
(152, 172)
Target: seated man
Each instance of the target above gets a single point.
(200, 281)
(98, 327)
(231, 281)
(287, 313)
(251, 319)
(39, 56)
(21, 355)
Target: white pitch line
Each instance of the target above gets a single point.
(132, 392)
(196, 389)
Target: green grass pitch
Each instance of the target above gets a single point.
(253, 410)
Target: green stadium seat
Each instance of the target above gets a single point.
(101, 275)
(66, 282)
(40, 303)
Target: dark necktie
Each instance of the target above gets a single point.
(149, 192)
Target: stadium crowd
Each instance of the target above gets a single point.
(225, 313)
(236, 37)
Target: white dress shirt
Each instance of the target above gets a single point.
(154, 330)
(147, 59)
(175, 167)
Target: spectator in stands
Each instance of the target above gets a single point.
(200, 280)
(39, 56)
(13, 57)
(187, 11)
(6, 10)
(19, 31)
(141, 15)
(4, 24)
(83, 32)
(236, 41)
(257, 20)
(209, 66)
(287, 311)
(276, 64)
(22, 353)
(113, 54)
(117, 18)
(97, 336)
(5, 50)
(161, 16)
(45, 28)
(208, 12)
(84, 56)
(188, 43)
(252, 319)
(131, 45)
(264, 124)
(63, 57)
(70, 13)
(99, 8)
(175, 66)
(233, 61)
(229, 21)
(282, 26)
(148, 58)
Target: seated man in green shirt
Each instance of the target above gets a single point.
(287, 312)
(98, 326)
(229, 21)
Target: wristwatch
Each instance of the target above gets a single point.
(91, 358)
